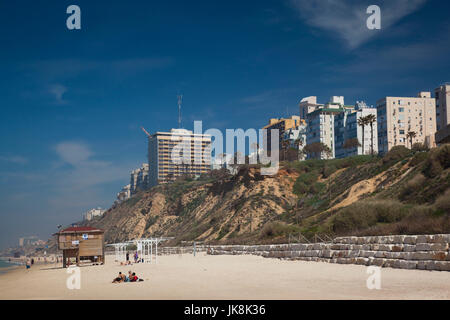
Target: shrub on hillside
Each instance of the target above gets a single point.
(443, 202)
(277, 229)
(328, 170)
(304, 182)
(419, 147)
(418, 158)
(438, 160)
(412, 186)
(365, 214)
(443, 155)
(396, 154)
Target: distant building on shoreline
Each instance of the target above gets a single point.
(397, 116)
(192, 153)
(124, 194)
(139, 179)
(29, 241)
(91, 214)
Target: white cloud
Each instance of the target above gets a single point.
(348, 18)
(74, 153)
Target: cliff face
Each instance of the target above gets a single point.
(203, 210)
(361, 195)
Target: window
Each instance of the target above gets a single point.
(402, 131)
(401, 109)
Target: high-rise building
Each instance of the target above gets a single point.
(442, 96)
(398, 116)
(348, 133)
(177, 153)
(321, 127)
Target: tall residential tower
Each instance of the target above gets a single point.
(397, 116)
(177, 153)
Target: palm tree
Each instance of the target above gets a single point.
(371, 119)
(285, 144)
(411, 135)
(362, 122)
(298, 143)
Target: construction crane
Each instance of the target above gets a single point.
(145, 131)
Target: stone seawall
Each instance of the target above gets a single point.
(424, 252)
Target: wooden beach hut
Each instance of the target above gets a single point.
(81, 243)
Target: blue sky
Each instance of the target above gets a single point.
(72, 102)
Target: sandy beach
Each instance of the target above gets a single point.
(224, 277)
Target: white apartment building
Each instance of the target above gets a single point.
(396, 116)
(294, 134)
(346, 128)
(89, 215)
(124, 194)
(320, 124)
(139, 179)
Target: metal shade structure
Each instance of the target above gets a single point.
(144, 246)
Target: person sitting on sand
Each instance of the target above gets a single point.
(119, 279)
(134, 278)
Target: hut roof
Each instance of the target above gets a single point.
(80, 229)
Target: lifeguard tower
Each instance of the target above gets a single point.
(83, 244)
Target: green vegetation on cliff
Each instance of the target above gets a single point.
(404, 192)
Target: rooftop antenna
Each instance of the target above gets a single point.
(180, 100)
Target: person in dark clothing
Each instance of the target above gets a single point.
(128, 257)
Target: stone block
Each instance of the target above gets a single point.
(439, 255)
(377, 262)
(397, 248)
(410, 240)
(422, 265)
(398, 239)
(432, 247)
(362, 261)
(422, 239)
(442, 265)
(405, 264)
(441, 238)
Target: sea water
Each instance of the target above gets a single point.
(5, 265)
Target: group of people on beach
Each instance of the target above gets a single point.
(131, 277)
(128, 261)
